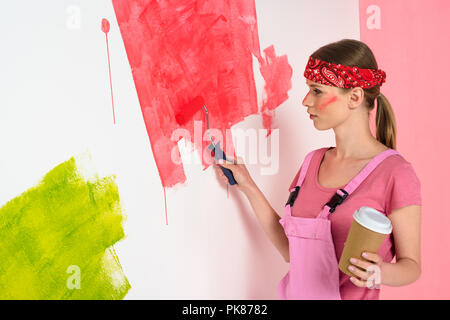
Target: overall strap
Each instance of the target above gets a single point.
(342, 194)
(294, 191)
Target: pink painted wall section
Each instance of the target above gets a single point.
(182, 49)
(410, 41)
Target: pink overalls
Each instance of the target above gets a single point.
(314, 272)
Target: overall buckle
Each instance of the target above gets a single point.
(336, 200)
(293, 196)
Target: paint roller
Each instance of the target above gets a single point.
(186, 113)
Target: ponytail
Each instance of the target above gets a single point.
(385, 123)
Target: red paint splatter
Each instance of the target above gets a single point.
(105, 29)
(105, 25)
(325, 104)
(182, 49)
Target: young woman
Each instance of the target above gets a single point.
(344, 82)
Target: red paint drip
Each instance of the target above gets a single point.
(183, 49)
(105, 29)
(165, 205)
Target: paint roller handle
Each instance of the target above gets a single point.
(229, 174)
(218, 153)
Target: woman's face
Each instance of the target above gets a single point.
(327, 103)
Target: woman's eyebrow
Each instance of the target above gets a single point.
(313, 85)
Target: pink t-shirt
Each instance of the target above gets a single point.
(392, 184)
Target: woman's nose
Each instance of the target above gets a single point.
(306, 101)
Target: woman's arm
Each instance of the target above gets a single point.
(269, 220)
(266, 215)
(406, 230)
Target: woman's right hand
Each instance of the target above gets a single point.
(240, 173)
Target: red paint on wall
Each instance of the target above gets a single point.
(187, 111)
(105, 25)
(277, 74)
(182, 49)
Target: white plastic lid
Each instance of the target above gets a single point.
(373, 220)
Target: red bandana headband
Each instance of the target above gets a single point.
(337, 75)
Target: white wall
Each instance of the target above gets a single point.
(55, 103)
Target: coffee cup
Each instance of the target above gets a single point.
(367, 232)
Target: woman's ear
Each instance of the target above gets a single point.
(356, 97)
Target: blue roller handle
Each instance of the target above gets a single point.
(218, 154)
(229, 174)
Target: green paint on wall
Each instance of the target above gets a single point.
(56, 239)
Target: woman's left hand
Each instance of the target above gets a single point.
(370, 275)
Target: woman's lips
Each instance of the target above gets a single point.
(311, 116)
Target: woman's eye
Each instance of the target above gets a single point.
(317, 91)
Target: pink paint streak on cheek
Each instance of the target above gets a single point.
(328, 102)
